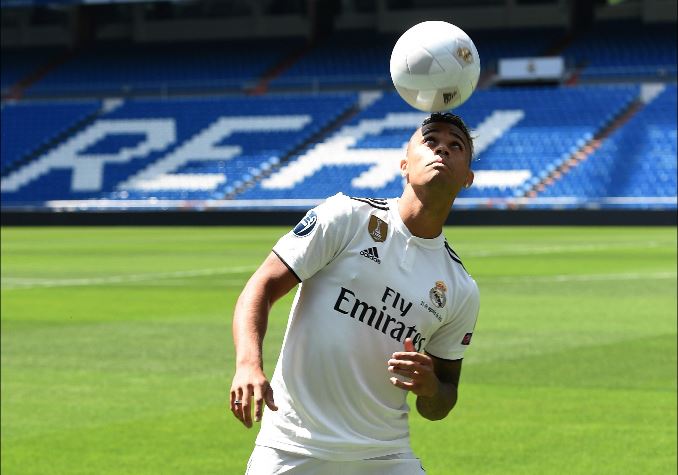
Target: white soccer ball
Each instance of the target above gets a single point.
(435, 66)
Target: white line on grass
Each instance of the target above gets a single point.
(13, 283)
(580, 277)
(532, 250)
(10, 283)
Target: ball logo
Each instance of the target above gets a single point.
(306, 225)
(465, 54)
(449, 96)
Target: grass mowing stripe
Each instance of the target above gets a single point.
(177, 279)
(21, 282)
(581, 277)
(519, 250)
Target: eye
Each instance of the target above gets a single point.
(457, 146)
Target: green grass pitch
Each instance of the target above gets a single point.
(117, 354)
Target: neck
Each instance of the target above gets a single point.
(424, 214)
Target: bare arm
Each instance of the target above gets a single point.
(433, 380)
(440, 404)
(269, 283)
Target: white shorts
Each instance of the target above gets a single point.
(268, 461)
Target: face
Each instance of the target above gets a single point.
(438, 155)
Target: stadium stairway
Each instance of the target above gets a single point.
(262, 86)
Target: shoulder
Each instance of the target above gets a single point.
(342, 202)
(335, 207)
(454, 257)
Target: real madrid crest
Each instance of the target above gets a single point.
(438, 294)
(377, 228)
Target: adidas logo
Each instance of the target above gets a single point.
(371, 253)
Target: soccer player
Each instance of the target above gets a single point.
(384, 307)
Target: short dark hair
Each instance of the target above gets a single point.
(450, 118)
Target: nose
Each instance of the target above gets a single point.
(442, 151)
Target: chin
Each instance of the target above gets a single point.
(442, 186)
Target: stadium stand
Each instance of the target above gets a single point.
(353, 59)
(27, 127)
(625, 49)
(192, 148)
(328, 120)
(522, 134)
(361, 58)
(345, 59)
(637, 161)
(116, 68)
(502, 43)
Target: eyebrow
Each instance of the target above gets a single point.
(434, 129)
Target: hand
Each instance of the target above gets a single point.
(418, 367)
(250, 382)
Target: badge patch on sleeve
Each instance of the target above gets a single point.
(377, 228)
(306, 225)
(467, 339)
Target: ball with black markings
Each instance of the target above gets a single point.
(435, 66)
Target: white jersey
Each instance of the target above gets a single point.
(366, 284)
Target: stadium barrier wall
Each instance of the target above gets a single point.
(290, 218)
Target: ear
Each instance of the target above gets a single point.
(403, 167)
(469, 179)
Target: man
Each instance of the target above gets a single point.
(385, 307)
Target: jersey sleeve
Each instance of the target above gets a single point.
(452, 339)
(318, 238)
